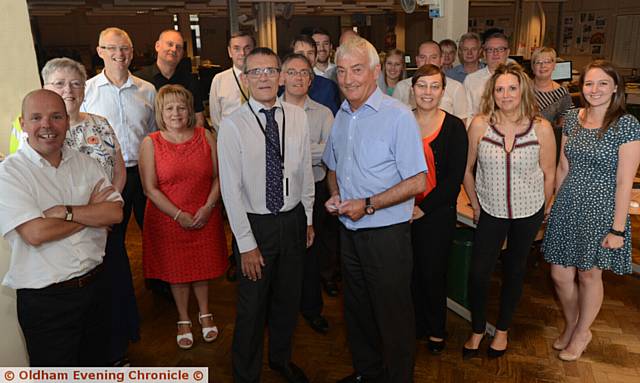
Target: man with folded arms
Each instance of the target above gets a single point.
(57, 204)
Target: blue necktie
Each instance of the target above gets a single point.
(273, 183)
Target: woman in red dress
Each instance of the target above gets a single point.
(183, 237)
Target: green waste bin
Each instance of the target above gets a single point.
(459, 265)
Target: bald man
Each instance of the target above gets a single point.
(56, 206)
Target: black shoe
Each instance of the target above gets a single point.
(435, 346)
(353, 378)
(492, 353)
(331, 288)
(468, 353)
(290, 372)
(319, 324)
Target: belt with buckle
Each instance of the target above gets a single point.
(80, 281)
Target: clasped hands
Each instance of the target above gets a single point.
(196, 221)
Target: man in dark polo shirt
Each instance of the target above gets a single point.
(170, 69)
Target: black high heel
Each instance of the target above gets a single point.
(492, 353)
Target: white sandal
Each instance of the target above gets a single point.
(188, 336)
(208, 330)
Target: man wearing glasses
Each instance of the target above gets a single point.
(127, 102)
(496, 52)
(297, 74)
(469, 54)
(267, 186)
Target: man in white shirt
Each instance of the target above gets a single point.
(496, 52)
(297, 75)
(128, 103)
(453, 100)
(227, 93)
(323, 67)
(267, 187)
(56, 206)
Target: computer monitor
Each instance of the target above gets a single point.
(562, 72)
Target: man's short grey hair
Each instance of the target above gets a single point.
(116, 31)
(62, 63)
(359, 45)
(470, 36)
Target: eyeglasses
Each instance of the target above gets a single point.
(301, 72)
(113, 48)
(74, 84)
(544, 62)
(496, 50)
(257, 72)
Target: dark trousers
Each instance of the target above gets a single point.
(488, 239)
(134, 199)
(125, 320)
(431, 236)
(311, 302)
(376, 270)
(275, 298)
(66, 326)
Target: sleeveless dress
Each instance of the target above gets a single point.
(584, 208)
(171, 253)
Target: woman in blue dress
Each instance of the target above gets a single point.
(589, 228)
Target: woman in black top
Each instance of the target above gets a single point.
(434, 217)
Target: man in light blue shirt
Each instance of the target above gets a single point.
(375, 167)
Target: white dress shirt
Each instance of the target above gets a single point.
(474, 85)
(241, 154)
(453, 100)
(225, 95)
(329, 73)
(129, 109)
(29, 185)
(320, 120)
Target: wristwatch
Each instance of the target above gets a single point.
(69, 216)
(369, 209)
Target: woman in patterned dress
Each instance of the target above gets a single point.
(183, 240)
(589, 228)
(92, 135)
(513, 150)
(552, 99)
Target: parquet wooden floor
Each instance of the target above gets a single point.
(613, 355)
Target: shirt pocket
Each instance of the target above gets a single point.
(80, 194)
(373, 154)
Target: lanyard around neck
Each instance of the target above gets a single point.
(269, 142)
(246, 98)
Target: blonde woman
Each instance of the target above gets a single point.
(514, 152)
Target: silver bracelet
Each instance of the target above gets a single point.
(175, 218)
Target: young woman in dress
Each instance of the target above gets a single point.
(513, 150)
(589, 228)
(444, 139)
(183, 240)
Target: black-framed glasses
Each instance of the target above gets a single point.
(496, 50)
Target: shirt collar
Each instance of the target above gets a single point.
(308, 102)
(38, 160)
(257, 105)
(103, 80)
(374, 101)
(237, 71)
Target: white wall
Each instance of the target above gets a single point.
(19, 76)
